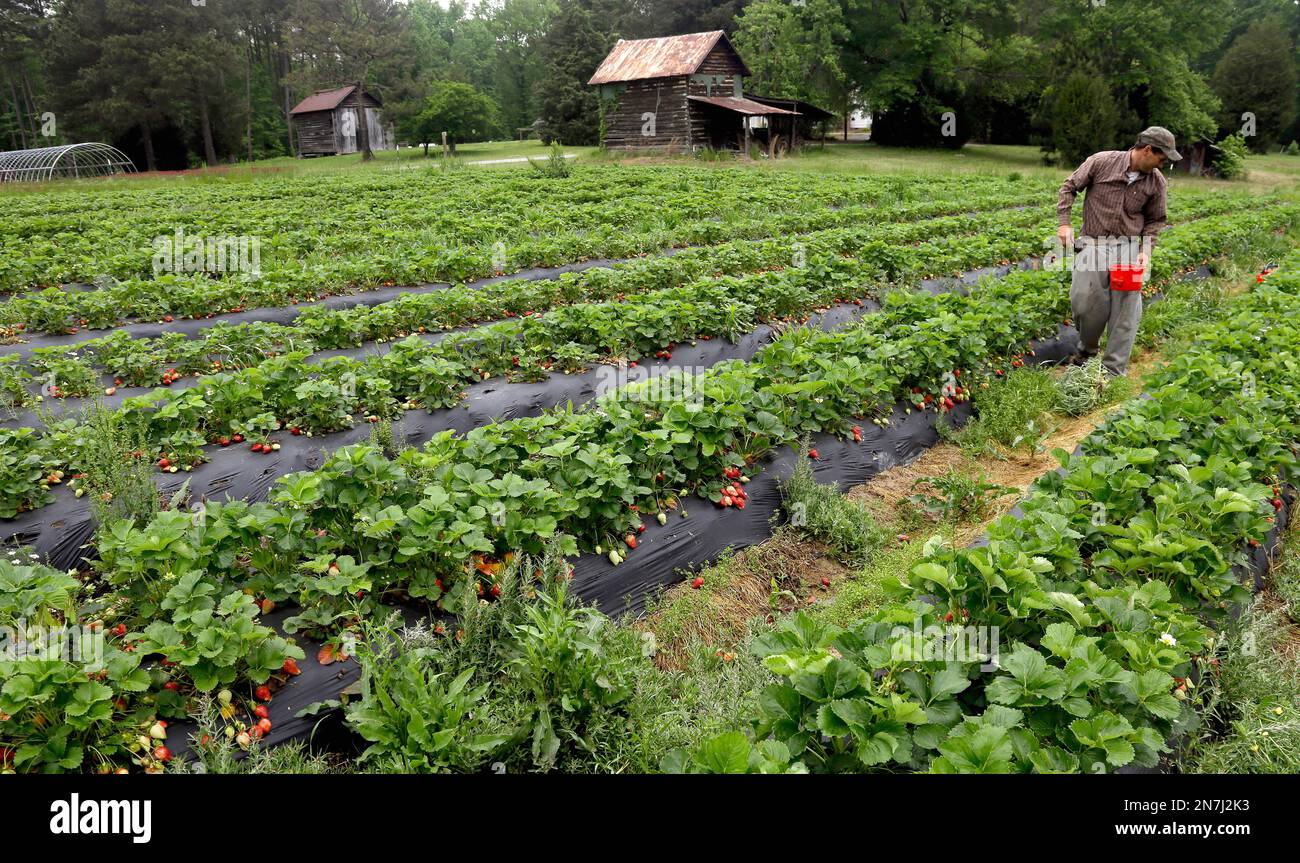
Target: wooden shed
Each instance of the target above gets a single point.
(679, 93)
(326, 123)
(1198, 158)
(811, 122)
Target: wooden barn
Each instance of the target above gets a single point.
(682, 93)
(325, 123)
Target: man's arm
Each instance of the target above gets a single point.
(1079, 180)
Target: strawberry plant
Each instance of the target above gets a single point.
(214, 642)
(67, 688)
(25, 468)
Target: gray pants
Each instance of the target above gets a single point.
(1098, 308)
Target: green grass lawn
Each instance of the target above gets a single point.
(1268, 174)
(485, 151)
(385, 160)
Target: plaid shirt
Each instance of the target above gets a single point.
(1113, 207)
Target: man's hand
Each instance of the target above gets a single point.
(1065, 234)
(1142, 260)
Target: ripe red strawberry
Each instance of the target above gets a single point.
(826, 582)
(239, 438)
(496, 590)
(740, 504)
(290, 667)
(164, 463)
(813, 454)
(119, 630)
(263, 693)
(171, 686)
(261, 712)
(697, 583)
(225, 441)
(640, 528)
(162, 753)
(168, 318)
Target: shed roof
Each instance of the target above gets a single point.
(808, 109)
(663, 57)
(741, 106)
(328, 100)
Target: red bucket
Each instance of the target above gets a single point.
(1124, 277)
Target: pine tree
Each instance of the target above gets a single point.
(580, 35)
(1257, 75)
(1083, 117)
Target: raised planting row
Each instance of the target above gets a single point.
(143, 361)
(55, 238)
(329, 258)
(287, 394)
(1095, 610)
(365, 530)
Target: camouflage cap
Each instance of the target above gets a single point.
(1162, 139)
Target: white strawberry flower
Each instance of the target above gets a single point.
(1167, 638)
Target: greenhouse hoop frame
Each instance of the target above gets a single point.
(66, 160)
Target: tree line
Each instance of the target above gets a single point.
(183, 82)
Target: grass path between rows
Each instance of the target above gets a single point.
(746, 589)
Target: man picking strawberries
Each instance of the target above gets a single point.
(1123, 211)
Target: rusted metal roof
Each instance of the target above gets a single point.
(327, 100)
(664, 57)
(741, 106)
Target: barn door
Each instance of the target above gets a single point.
(347, 130)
